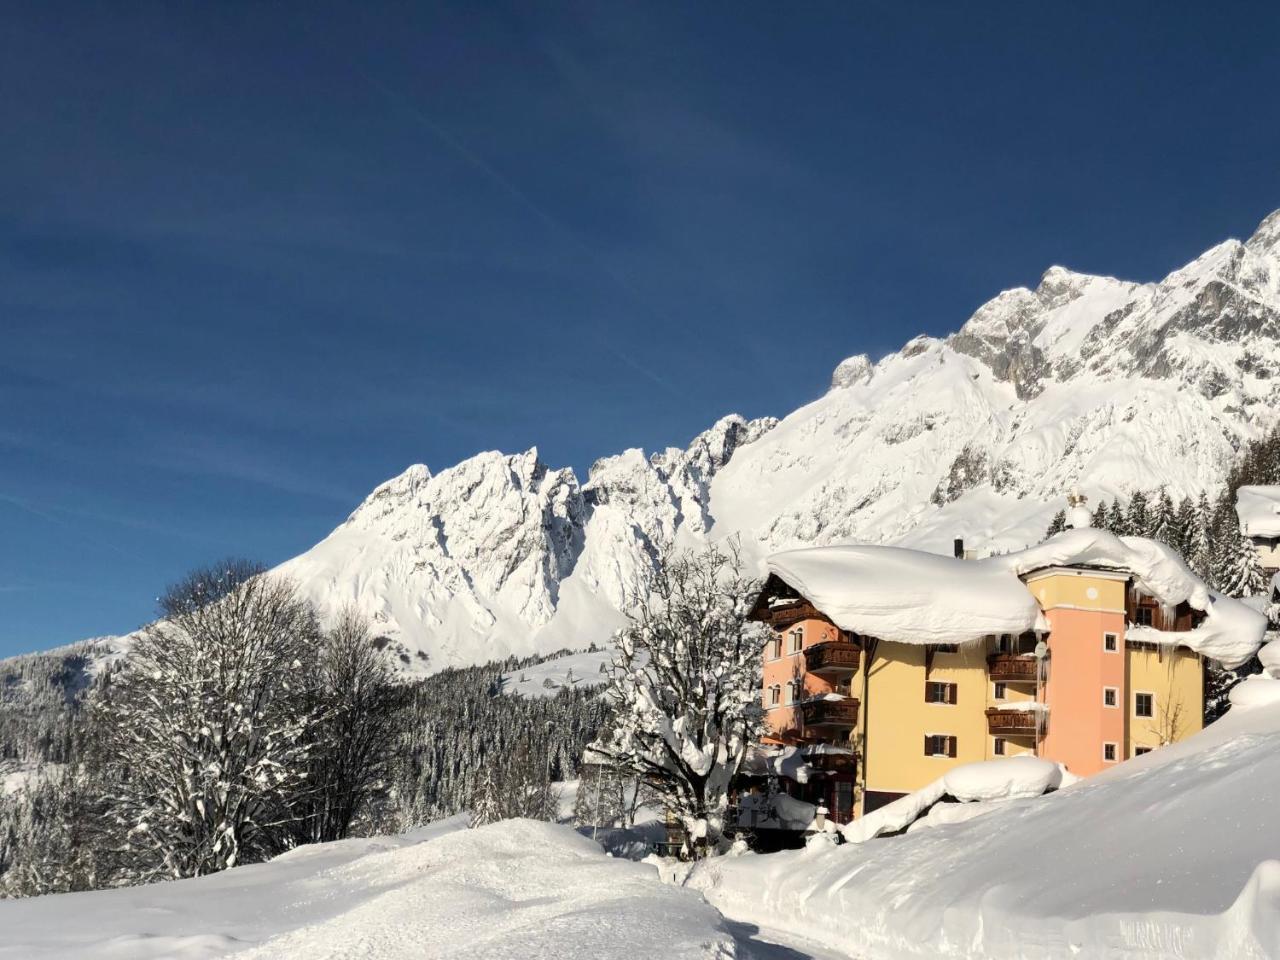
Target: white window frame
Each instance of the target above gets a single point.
(1115, 749)
(795, 641)
(1115, 638)
(1115, 698)
(1144, 693)
(795, 691)
(775, 695)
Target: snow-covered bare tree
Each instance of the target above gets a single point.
(204, 729)
(355, 700)
(684, 682)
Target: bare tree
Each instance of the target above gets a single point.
(517, 784)
(204, 728)
(685, 681)
(355, 700)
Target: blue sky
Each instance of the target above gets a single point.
(256, 258)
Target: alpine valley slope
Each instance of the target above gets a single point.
(1088, 381)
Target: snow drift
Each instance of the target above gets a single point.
(1259, 511)
(514, 889)
(1171, 855)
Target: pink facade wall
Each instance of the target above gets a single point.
(784, 721)
(1079, 670)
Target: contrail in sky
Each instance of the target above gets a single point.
(468, 155)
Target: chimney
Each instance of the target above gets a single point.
(958, 546)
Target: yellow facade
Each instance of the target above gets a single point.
(1175, 679)
(898, 718)
(1079, 590)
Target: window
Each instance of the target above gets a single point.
(795, 691)
(945, 647)
(797, 639)
(775, 647)
(1110, 642)
(1144, 704)
(1145, 616)
(1000, 691)
(1110, 697)
(939, 692)
(1109, 753)
(1139, 751)
(939, 745)
(775, 695)
(997, 747)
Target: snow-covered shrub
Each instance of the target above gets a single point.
(684, 682)
(204, 729)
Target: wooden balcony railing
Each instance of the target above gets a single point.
(786, 614)
(837, 657)
(830, 713)
(1012, 667)
(1012, 722)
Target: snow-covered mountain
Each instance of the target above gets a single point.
(1088, 381)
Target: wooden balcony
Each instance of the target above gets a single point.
(1012, 723)
(1012, 667)
(784, 614)
(832, 660)
(829, 714)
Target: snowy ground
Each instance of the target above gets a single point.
(1175, 854)
(547, 678)
(513, 890)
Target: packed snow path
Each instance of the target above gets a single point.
(517, 889)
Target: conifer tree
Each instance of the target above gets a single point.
(1164, 520)
(1057, 524)
(1117, 522)
(1139, 518)
(1099, 521)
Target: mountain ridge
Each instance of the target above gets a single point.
(1090, 381)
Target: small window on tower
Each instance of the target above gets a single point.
(1110, 697)
(1110, 642)
(1109, 753)
(775, 648)
(797, 639)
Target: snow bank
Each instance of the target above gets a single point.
(1230, 632)
(1006, 778)
(1259, 511)
(513, 889)
(1172, 854)
(909, 596)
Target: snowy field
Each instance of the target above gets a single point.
(513, 890)
(547, 678)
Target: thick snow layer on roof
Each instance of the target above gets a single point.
(1230, 632)
(1259, 510)
(913, 597)
(907, 595)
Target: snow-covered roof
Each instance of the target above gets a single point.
(909, 596)
(1259, 510)
(1231, 630)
